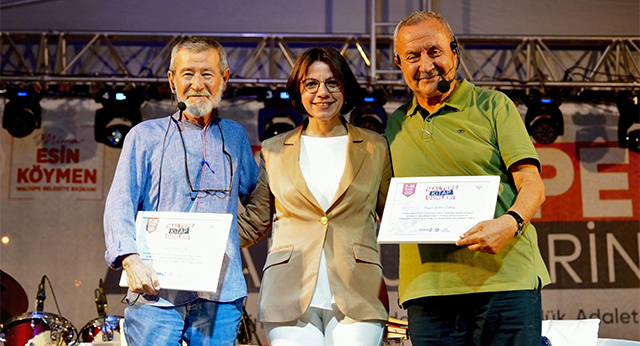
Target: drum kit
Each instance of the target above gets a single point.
(39, 328)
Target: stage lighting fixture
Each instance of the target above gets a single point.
(277, 124)
(22, 114)
(369, 113)
(544, 119)
(119, 113)
(277, 116)
(629, 121)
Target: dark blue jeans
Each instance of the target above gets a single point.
(512, 318)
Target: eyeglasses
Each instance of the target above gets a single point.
(204, 162)
(311, 85)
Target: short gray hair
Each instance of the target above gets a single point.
(418, 17)
(199, 45)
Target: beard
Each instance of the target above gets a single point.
(200, 109)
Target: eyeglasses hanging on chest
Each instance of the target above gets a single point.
(207, 167)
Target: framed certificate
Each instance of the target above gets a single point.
(436, 210)
(185, 249)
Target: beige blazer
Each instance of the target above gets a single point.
(301, 229)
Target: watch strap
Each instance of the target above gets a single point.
(519, 220)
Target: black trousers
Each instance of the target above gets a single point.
(512, 318)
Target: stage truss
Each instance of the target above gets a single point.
(66, 60)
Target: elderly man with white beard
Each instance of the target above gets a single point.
(191, 161)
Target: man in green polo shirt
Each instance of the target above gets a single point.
(485, 289)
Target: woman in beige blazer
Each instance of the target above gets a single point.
(320, 189)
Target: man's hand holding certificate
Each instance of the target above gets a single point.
(141, 277)
(184, 249)
(488, 236)
(436, 209)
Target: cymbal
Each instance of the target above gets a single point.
(13, 298)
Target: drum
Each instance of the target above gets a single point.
(37, 329)
(102, 329)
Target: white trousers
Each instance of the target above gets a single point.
(320, 327)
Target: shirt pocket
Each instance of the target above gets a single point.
(366, 253)
(279, 255)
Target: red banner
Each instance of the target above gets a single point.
(588, 181)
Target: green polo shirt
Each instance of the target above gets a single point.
(476, 132)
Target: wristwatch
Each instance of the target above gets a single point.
(519, 220)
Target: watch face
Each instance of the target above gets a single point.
(519, 220)
(520, 229)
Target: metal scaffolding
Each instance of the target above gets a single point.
(263, 60)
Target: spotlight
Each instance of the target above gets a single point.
(277, 124)
(629, 121)
(22, 114)
(544, 119)
(369, 113)
(119, 113)
(277, 116)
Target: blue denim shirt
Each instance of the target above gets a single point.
(138, 185)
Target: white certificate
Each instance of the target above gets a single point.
(432, 210)
(185, 249)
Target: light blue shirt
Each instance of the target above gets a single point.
(138, 184)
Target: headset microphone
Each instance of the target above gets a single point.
(182, 106)
(444, 85)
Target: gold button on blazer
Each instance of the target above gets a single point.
(283, 203)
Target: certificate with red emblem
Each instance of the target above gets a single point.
(185, 249)
(436, 210)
